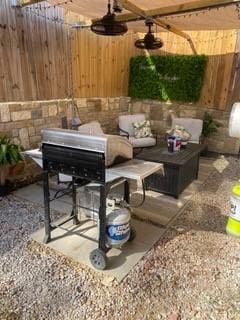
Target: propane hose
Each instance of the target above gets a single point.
(129, 205)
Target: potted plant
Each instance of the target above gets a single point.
(210, 125)
(11, 162)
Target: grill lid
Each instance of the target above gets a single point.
(74, 139)
(112, 146)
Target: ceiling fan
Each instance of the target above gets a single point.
(149, 41)
(108, 25)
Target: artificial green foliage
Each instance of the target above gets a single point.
(170, 77)
(210, 126)
(10, 153)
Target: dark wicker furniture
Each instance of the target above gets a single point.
(180, 168)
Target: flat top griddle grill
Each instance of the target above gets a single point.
(132, 169)
(114, 148)
(87, 159)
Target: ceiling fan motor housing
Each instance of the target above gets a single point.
(108, 26)
(149, 41)
(149, 21)
(117, 6)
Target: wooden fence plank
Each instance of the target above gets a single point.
(32, 54)
(34, 59)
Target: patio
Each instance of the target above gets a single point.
(194, 258)
(126, 112)
(158, 209)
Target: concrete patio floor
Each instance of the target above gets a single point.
(158, 208)
(161, 209)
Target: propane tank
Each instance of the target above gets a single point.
(118, 227)
(233, 224)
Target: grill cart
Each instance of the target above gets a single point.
(105, 160)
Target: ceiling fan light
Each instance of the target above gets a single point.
(149, 41)
(108, 26)
(140, 44)
(106, 29)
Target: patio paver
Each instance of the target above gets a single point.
(158, 208)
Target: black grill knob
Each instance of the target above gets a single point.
(50, 164)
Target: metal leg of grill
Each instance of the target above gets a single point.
(102, 219)
(47, 221)
(197, 166)
(74, 213)
(98, 256)
(127, 199)
(126, 191)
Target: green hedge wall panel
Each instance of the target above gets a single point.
(171, 77)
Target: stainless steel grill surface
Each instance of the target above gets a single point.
(115, 148)
(85, 158)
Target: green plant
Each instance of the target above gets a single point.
(10, 154)
(210, 125)
(169, 77)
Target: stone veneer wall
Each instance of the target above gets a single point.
(104, 110)
(161, 115)
(25, 120)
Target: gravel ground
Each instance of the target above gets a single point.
(191, 273)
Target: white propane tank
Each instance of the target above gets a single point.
(118, 227)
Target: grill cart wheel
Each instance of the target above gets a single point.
(98, 259)
(132, 234)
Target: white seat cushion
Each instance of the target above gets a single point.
(142, 142)
(193, 126)
(125, 122)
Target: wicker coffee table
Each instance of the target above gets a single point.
(180, 168)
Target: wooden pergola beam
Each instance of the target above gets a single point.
(24, 3)
(169, 27)
(178, 32)
(174, 9)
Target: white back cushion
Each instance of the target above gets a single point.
(91, 128)
(125, 122)
(193, 126)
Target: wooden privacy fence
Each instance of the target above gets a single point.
(33, 54)
(101, 64)
(35, 48)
